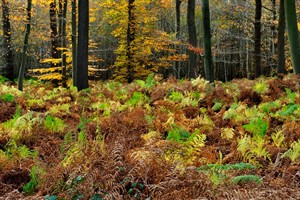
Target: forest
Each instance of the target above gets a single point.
(149, 99)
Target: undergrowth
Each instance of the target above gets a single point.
(151, 139)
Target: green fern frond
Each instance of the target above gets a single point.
(245, 179)
(54, 124)
(217, 106)
(257, 126)
(176, 96)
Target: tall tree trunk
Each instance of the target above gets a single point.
(208, 60)
(178, 34)
(293, 33)
(273, 28)
(130, 38)
(192, 38)
(281, 39)
(257, 38)
(64, 42)
(8, 55)
(25, 44)
(74, 44)
(83, 39)
(53, 28)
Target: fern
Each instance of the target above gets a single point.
(294, 152)
(290, 95)
(54, 124)
(217, 106)
(196, 140)
(137, 99)
(258, 127)
(59, 108)
(3, 79)
(252, 148)
(288, 110)
(13, 151)
(269, 106)
(261, 87)
(8, 98)
(31, 186)
(188, 101)
(227, 133)
(245, 179)
(150, 81)
(227, 167)
(178, 134)
(278, 138)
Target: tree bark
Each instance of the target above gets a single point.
(293, 33)
(208, 60)
(83, 38)
(130, 38)
(8, 55)
(178, 34)
(53, 28)
(64, 42)
(281, 39)
(74, 44)
(25, 45)
(257, 38)
(192, 38)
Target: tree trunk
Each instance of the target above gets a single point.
(130, 38)
(64, 42)
(293, 33)
(281, 39)
(74, 44)
(178, 34)
(8, 55)
(53, 28)
(192, 38)
(209, 68)
(257, 38)
(25, 44)
(83, 38)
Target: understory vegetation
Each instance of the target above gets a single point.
(152, 139)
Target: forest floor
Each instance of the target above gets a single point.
(152, 139)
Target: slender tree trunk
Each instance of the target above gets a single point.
(178, 34)
(192, 38)
(281, 39)
(53, 28)
(273, 28)
(130, 38)
(74, 44)
(208, 60)
(83, 39)
(25, 44)
(64, 42)
(257, 38)
(8, 55)
(293, 33)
